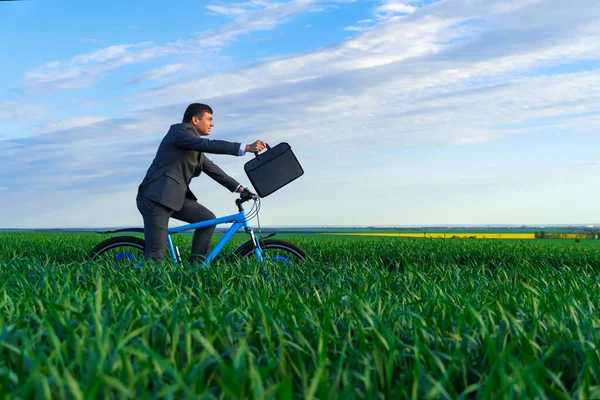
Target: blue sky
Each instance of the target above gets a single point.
(401, 113)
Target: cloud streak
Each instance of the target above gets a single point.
(84, 71)
(159, 73)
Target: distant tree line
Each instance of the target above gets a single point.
(556, 235)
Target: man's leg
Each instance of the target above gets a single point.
(192, 212)
(156, 222)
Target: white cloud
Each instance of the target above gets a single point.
(83, 71)
(69, 122)
(92, 40)
(226, 10)
(20, 110)
(159, 73)
(239, 8)
(392, 7)
(354, 28)
(110, 53)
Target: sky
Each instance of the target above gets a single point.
(401, 113)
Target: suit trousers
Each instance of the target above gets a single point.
(156, 220)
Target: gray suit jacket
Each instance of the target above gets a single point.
(179, 158)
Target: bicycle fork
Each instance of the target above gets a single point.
(256, 243)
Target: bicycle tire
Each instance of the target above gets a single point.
(133, 249)
(272, 248)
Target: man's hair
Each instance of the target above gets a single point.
(196, 109)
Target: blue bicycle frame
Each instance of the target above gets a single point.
(239, 221)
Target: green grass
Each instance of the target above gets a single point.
(363, 318)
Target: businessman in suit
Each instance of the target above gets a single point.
(165, 192)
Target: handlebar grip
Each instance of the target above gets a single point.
(246, 195)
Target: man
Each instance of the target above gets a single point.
(164, 191)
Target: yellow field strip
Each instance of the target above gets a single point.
(442, 235)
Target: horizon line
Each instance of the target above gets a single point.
(549, 225)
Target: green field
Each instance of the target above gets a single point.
(362, 318)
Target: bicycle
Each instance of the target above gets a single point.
(130, 249)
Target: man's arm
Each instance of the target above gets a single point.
(211, 169)
(186, 139)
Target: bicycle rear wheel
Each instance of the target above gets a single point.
(275, 251)
(121, 250)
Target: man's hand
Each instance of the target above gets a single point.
(245, 194)
(256, 147)
(241, 189)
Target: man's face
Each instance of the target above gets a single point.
(203, 124)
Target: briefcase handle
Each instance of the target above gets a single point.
(268, 148)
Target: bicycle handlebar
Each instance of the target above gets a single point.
(245, 195)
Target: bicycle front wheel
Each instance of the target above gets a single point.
(275, 251)
(120, 250)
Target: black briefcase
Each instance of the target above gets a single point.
(273, 169)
